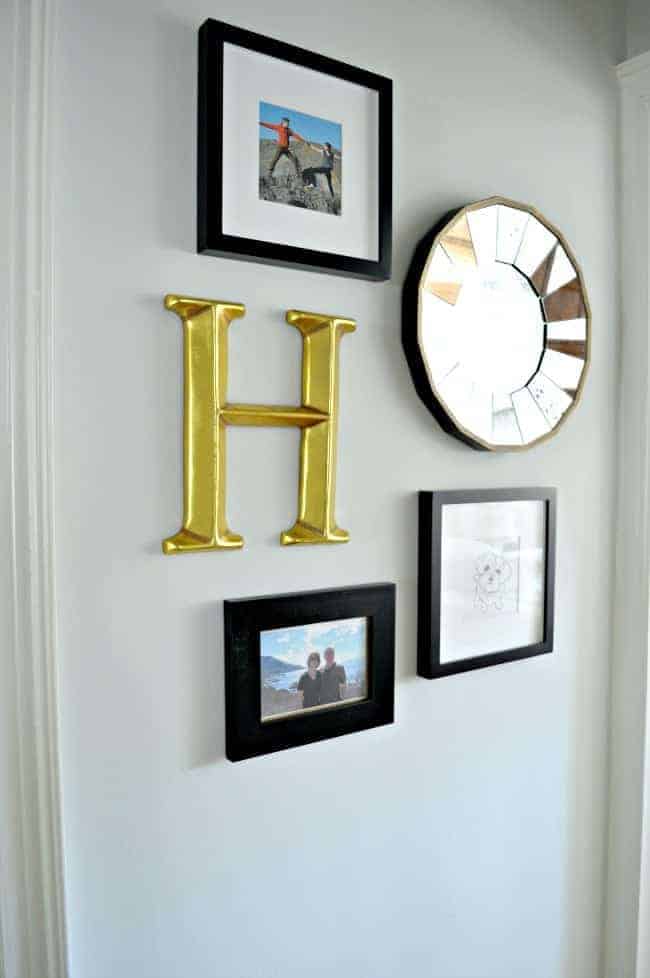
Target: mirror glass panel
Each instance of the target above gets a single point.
(502, 326)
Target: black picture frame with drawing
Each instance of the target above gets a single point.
(488, 548)
(212, 238)
(249, 622)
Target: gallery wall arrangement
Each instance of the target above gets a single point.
(295, 168)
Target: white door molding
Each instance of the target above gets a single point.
(32, 920)
(627, 932)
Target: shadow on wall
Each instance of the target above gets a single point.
(203, 651)
(175, 132)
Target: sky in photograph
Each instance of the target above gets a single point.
(346, 636)
(310, 127)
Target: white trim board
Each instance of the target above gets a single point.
(32, 920)
(634, 66)
(627, 935)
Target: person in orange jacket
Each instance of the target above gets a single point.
(285, 134)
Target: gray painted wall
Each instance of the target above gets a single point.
(638, 27)
(467, 840)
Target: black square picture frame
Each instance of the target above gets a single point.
(244, 619)
(430, 561)
(211, 237)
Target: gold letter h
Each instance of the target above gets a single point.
(207, 413)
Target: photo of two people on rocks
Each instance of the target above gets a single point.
(300, 159)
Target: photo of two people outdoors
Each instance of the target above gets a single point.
(313, 667)
(300, 159)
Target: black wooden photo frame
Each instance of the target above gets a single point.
(492, 566)
(215, 233)
(248, 732)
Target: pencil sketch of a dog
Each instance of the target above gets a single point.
(491, 576)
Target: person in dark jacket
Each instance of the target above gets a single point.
(326, 167)
(333, 679)
(309, 683)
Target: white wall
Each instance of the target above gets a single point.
(467, 840)
(637, 27)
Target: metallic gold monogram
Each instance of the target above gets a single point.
(207, 414)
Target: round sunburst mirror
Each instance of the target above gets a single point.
(496, 325)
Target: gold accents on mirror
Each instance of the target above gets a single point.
(572, 348)
(541, 275)
(207, 413)
(447, 291)
(458, 244)
(565, 303)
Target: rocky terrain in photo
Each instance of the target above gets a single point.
(278, 701)
(284, 187)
